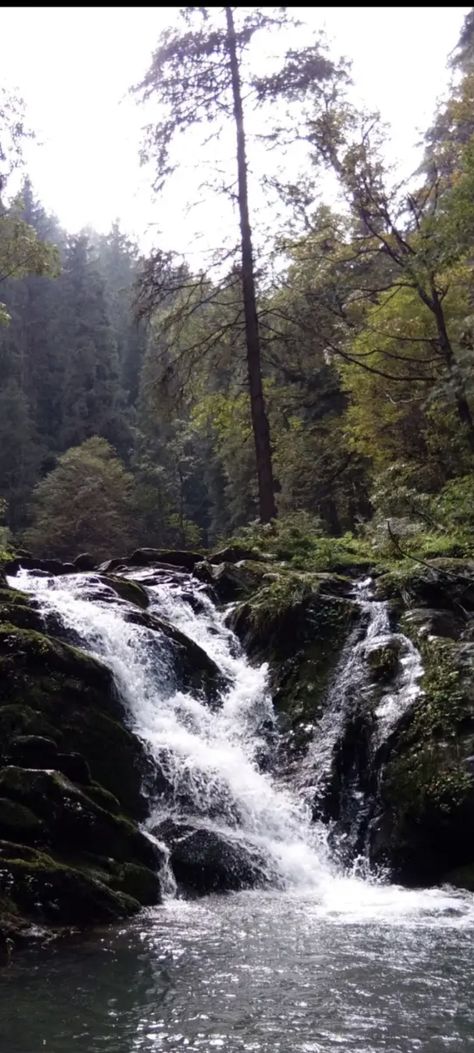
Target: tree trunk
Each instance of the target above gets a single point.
(462, 404)
(260, 426)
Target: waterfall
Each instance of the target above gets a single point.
(209, 753)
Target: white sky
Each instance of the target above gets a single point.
(73, 67)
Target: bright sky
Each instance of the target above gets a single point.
(73, 67)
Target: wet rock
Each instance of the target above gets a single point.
(32, 751)
(444, 584)
(50, 688)
(84, 561)
(426, 622)
(46, 890)
(131, 591)
(383, 661)
(72, 821)
(46, 566)
(146, 557)
(231, 580)
(194, 670)
(234, 554)
(207, 861)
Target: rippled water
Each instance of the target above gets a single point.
(257, 972)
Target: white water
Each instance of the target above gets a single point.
(212, 752)
(353, 682)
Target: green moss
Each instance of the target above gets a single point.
(383, 662)
(42, 888)
(130, 591)
(429, 776)
(21, 719)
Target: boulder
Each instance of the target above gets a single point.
(130, 591)
(72, 821)
(234, 554)
(146, 557)
(231, 580)
(46, 890)
(205, 860)
(84, 561)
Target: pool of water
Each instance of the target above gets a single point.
(365, 969)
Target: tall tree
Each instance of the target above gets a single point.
(196, 78)
(92, 397)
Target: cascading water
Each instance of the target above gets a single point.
(355, 696)
(208, 753)
(317, 960)
(212, 752)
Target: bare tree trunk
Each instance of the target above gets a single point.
(462, 404)
(260, 426)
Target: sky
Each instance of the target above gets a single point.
(74, 66)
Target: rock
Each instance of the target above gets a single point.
(146, 557)
(110, 565)
(84, 561)
(235, 553)
(33, 751)
(461, 877)
(47, 566)
(130, 591)
(75, 767)
(425, 622)
(426, 783)
(206, 861)
(444, 584)
(72, 821)
(50, 688)
(193, 669)
(18, 822)
(231, 580)
(44, 889)
(383, 661)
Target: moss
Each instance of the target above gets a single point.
(21, 719)
(13, 596)
(383, 662)
(104, 798)
(130, 591)
(136, 881)
(428, 784)
(72, 819)
(18, 821)
(42, 888)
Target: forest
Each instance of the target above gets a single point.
(236, 543)
(125, 416)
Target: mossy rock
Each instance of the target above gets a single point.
(29, 659)
(147, 557)
(234, 554)
(232, 580)
(117, 759)
(46, 890)
(130, 591)
(50, 688)
(440, 584)
(18, 822)
(72, 820)
(383, 661)
(427, 786)
(21, 719)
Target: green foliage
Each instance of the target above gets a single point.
(298, 540)
(85, 503)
